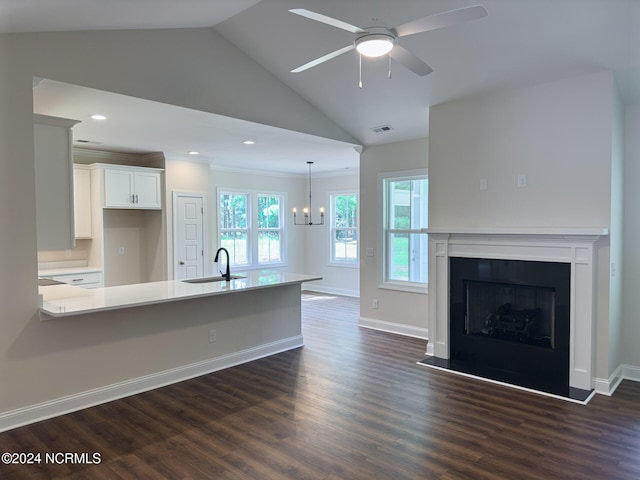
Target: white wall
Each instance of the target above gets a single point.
(293, 188)
(400, 312)
(195, 68)
(337, 280)
(182, 175)
(559, 135)
(616, 235)
(631, 255)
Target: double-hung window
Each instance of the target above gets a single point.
(344, 228)
(252, 228)
(270, 232)
(405, 247)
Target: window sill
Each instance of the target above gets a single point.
(400, 287)
(344, 264)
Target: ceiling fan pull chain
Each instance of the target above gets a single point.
(360, 70)
(389, 75)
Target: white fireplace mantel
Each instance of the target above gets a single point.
(568, 245)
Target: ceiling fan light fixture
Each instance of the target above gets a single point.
(374, 45)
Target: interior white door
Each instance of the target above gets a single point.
(189, 237)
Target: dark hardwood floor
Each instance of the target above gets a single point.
(351, 404)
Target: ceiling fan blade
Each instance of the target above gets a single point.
(410, 61)
(323, 59)
(328, 20)
(441, 20)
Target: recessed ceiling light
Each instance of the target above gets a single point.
(249, 142)
(193, 152)
(97, 116)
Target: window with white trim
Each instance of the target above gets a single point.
(270, 233)
(252, 228)
(344, 229)
(405, 244)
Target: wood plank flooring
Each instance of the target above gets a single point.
(351, 404)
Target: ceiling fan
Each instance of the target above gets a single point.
(376, 41)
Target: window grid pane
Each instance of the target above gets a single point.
(268, 211)
(346, 244)
(233, 211)
(269, 246)
(235, 242)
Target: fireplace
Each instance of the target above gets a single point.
(509, 321)
(514, 305)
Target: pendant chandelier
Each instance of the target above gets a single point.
(308, 220)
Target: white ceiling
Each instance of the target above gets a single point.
(67, 15)
(140, 126)
(521, 42)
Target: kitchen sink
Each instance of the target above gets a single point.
(211, 279)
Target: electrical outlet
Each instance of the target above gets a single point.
(374, 304)
(522, 181)
(212, 335)
(121, 250)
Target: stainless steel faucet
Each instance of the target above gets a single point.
(227, 274)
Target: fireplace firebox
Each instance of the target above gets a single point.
(509, 321)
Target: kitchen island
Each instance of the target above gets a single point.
(145, 336)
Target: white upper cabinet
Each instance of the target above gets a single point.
(53, 143)
(82, 201)
(133, 188)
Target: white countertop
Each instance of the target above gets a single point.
(66, 300)
(67, 271)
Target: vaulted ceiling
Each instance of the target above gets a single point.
(520, 42)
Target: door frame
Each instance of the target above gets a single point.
(208, 266)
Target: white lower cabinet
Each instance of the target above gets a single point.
(132, 188)
(80, 279)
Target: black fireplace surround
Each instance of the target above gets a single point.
(509, 321)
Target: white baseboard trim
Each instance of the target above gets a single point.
(60, 406)
(343, 292)
(631, 372)
(606, 386)
(397, 328)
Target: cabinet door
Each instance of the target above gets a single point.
(118, 189)
(54, 182)
(82, 202)
(147, 190)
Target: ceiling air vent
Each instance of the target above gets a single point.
(381, 129)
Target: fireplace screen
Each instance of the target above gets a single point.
(516, 313)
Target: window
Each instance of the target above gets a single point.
(269, 229)
(344, 229)
(405, 247)
(252, 239)
(234, 230)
